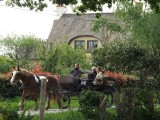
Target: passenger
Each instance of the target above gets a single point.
(99, 77)
(92, 74)
(76, 73)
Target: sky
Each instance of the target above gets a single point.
(21, 21)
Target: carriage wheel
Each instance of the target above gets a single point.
(109, 100)
(66, 100)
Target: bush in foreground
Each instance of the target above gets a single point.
(9, 113)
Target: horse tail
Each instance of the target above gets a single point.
(54, 83)
(54, 95)
(56, 98)
(55, 92)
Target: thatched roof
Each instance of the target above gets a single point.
(70, 26)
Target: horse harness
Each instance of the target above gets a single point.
(27, 86)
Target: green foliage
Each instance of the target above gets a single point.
(21, 49)
(5, 64)
(62, 2)
(62, 57)
(86, 5)
(122, 56)
(128, 12)
(147, 31)
(141, 26)
(143, 29)
(147, 115)
(154, 4)
(23, 116)
(40, 5)
(9, 113)
(67, 115)
(140, 51)
(7, 90)
(105, 23)
(89, 105)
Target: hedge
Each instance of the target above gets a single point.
(7, 90)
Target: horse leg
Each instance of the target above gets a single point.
(58, 100)
(48, 97)
(35, 98)
(21, 104)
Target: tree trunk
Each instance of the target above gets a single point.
(102, 106)
(118, 103)
(150, 101)
(131, 103)
(159, 96)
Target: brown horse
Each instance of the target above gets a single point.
(31, 86)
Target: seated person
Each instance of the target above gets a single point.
(92, 74)
(76, 73)
(99, 77)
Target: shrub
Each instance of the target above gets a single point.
(8, 113)
(7, 90)
(146, 115)
(5, 64)
(89, 105)
(62, 57)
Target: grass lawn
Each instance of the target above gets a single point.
(72, 115)
(69, 115)
(29, 104)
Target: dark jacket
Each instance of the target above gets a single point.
(92, 75)
(76, 72)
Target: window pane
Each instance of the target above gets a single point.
(92, 44)
(79, 43)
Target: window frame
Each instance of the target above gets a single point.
(92, 48)
(80, 41)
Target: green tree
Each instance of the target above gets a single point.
(92, 5)
(143, 28)
(21, 49)
(121, 56)
(5, 64)
(61, 59)
(139, 52)
(107, 26)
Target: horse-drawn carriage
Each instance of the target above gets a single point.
(63, 89)
(70, 87)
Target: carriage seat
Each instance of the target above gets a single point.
(69, 80)
(66, 79)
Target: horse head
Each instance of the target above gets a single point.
(15, 75)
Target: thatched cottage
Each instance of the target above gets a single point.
(76, 31)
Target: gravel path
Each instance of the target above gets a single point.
(31, 112)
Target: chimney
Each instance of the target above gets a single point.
(60, 10)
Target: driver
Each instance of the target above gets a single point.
(76, 73)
